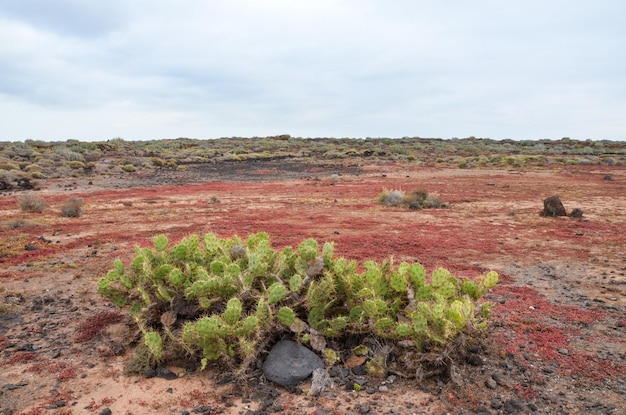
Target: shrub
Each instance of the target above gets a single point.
(227, 299)
(158, 162)
(37, 175)
(417, 199)
(32, 203)
(129, 168)
(391, 197)
(72, 208)
(75, 164)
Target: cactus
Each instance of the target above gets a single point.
(225, 298)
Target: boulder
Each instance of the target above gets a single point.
(289, 363)
(552, 206)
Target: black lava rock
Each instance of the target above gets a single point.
(289, 363)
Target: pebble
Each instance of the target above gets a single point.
(490, 383)
(496, 403)
(563, 351)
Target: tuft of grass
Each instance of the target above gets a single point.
(32, 203)
(72, 208)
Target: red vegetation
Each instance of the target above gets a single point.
(94, 325)
(19, 357)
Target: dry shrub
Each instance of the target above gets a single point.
(391, 197)
(417, 199)
(32, 203)
(72, 208)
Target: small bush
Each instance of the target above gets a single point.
(37, 175)
(75, 164)
(158, 162)
(129, 168)
(417, 199)
(32, 203)
(72, 208)
(391, 197)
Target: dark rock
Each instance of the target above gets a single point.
(11, 386)
(576, 213)
(165, 373)
(496, 403)
(608, 177)
(490, 383)
(30, 247)
(201, 409)
(360, 370)
(513, 406)
(289, 363)
(363, 408)
(106, 411)
(552, 207)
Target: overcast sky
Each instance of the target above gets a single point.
(521, 69)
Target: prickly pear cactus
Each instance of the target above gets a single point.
(226, 299)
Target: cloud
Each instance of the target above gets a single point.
(154, 69)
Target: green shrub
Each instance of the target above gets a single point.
(227, 299)
(75, 164)
(128, 168)
(158, 162)
(37, 175)
(32, 203)
(72, 208)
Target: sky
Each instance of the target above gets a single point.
(143, 70)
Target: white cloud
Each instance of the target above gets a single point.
(140, 70)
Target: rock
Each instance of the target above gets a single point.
(360, 370)
(513, 406)
(576, 213)
(30, 247)
(289, 363)
(106, 411)
(552, 206)
(165, 373)
(496, 403)
(321, 381)
(490, 383)
(608, 177)
(202, 409)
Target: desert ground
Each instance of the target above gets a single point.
(556, 342)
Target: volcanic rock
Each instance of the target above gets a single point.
(576, 213)
(289, 363)
(552, 206)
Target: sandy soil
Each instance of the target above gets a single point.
(557, 344)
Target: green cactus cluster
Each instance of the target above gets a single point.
(224, 298)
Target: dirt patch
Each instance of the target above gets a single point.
(558, 335)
